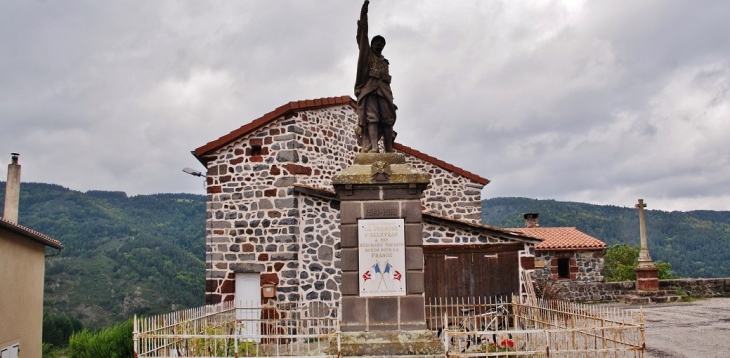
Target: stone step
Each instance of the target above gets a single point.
(645, 300)
(666, 299)
(652, 293)
(635, 300)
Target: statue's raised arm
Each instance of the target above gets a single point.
(362, 24)
(376, 111)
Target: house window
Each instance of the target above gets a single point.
(10, 352)
(564, 267)
(255, 150)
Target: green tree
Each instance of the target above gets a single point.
(58, 328)
(621, 260)
(619, 263)
(113, 342)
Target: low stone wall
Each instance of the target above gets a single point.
(578, 291)
(612, 291)
(699, 287)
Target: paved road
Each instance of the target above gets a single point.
(692, 330)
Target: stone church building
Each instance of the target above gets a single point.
(273, 217)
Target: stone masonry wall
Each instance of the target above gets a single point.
(585, 266)
(254, 216)
(450, 195)
(319, 274)
(253, 212)
(582, 291)
(438, 235)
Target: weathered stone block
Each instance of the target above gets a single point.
(382, 310)
(285, 203)
(414, 282)
(350, 260)
(297, 169)
(284, 256)
(265, 204)
(414, 234)
(215, 224)
(381, 209)
(247, 267)
(413, 310)
(358, 192)
(284, 182)
(285, 137)
(287, 156)
(403, 192)
(350, 284)
(348, 236)
(411, 211)
(350, 212)
(414, 258)
(325, 253)
(354, 313)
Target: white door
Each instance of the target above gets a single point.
(10, 352)
(248, 304)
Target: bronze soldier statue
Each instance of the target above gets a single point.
(376, 111)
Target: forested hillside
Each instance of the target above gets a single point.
(696, 243)
(122, 255)
(145, 254)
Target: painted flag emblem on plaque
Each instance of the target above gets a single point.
(381, 252)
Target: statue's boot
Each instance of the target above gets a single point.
(388, 139)
(373, 135)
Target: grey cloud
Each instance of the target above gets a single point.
(602, 102)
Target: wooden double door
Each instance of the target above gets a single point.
(471, 270)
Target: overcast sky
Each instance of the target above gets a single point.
(602, 102)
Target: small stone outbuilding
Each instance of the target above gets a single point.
(565, 253)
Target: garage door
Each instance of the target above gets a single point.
(473, 271)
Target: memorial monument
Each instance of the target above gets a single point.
(382, 286)
(376, 110)
(647, 275)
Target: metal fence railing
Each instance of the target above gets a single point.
(494, 327)
(473, 327)
(228, 330)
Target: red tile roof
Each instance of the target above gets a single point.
(502, 233)
(269, 117)
(561, 238)
(295, 106)
(31, 234)
(440, 163)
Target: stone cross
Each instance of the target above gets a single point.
(644, 258)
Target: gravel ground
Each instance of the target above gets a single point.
(696, 329)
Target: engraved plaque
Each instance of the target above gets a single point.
(382, 257)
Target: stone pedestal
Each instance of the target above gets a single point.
(647, 278)
(381, 186)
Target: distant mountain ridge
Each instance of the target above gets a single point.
(122, 255)
(696, 243)
(145, 254)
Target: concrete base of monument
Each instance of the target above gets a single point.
(380, 168)
(647, 278)
(391, 343)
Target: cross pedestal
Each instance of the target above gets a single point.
(647, 275)
(647, 278)
(382, 286)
